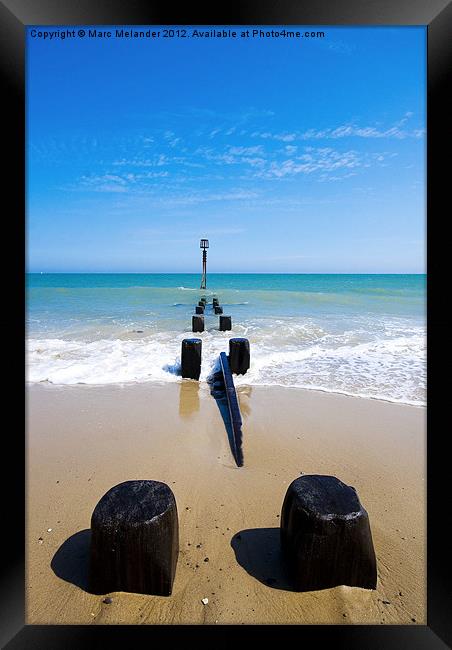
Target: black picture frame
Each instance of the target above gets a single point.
(15, 15)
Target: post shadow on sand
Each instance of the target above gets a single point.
(258, 551)
(218, 392)
(71, 561)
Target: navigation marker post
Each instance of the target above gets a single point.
(204, 245)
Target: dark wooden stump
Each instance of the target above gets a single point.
(203, 300)
(199, 309)
(225, 323)
(215, 302)
(201, 303)
(239, 355)
(197, 324)
(191, 358)
(325, 535)
(218, 309)
(135, 539)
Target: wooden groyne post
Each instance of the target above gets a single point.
(191, 358)
(225, 323)
(234, 410)
(197, 323)
(135, 539)
(325, 535)
(239, 355)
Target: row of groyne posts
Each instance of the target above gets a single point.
(325, 535)
(223, 389)
(239, 348)
(197, 323)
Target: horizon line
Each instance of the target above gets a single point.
(226, 273)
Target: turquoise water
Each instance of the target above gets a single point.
(356, 334)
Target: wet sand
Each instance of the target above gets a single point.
(83, 440)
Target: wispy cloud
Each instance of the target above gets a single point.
(194, 169)
(283, 137)
(171, 138)
(396, 130)
(203, 197)
(245, 151)
(115, 182)
(157, 161)
(104, 183)
(233, 155)
(324, 159)
(147, 175)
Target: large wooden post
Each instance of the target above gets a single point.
(325, 535)
(135, 539)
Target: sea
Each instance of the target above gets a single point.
(361, 335)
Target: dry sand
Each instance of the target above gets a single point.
(83, 440)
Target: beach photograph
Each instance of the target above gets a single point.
(225, 325)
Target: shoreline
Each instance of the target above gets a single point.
(82, 441)
(130, 384)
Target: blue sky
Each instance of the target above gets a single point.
(289, 155)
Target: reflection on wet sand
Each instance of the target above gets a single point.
(244, 397)
(188, 398)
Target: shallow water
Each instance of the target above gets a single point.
(356, 334)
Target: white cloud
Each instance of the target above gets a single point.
(238, 151)
(213, 133)
(171, 138)
(200, 197)
(282, 137)
(322, 159)
(346, 130)
(156, 161)
(104, 183)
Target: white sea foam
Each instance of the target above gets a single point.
(383, 361)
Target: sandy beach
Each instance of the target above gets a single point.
(83, 440)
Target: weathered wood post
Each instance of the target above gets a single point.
(239, 355)
(199, 309)
(135, 539)
(203, 299)
(218, 309)
(215, 302)
(201, 304)
(191, 358)
(197, 323)
(225, 323)
(325, 535)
